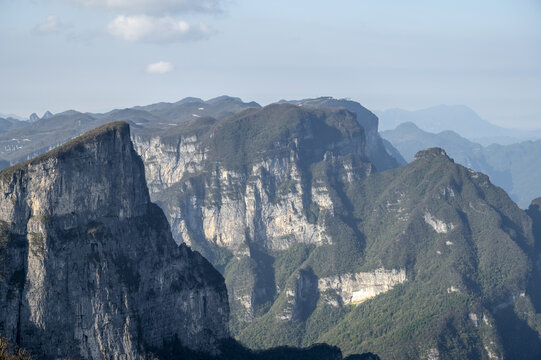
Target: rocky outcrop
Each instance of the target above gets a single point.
(237, 207)
(255, 183)
(301, 296)
(434, 152)
(357, 288)
(33, 117)
(376, 149)
(270, 193)
(305, 289)
(265, 200)
(46, 115)
(439, 226)
(89, 268)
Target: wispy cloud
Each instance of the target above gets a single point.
(50, 25)
(146, 28)
(161, 67)
(154, 6)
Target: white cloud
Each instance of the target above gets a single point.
(154, 6)
(161, 67)
(50, 25)
(155, 29)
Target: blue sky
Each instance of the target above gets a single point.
(95, 55)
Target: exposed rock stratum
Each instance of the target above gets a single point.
(89, 268)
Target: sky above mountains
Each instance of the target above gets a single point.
(95, 55)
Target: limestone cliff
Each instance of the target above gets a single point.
(376, 150)
(214, 190)
(254, 183)
(88, 267)
(357, 288)
(429, 260)
(316, 245)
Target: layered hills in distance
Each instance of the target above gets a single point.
(37, 137)
(320, 231)
(513, 167)
(458, 118)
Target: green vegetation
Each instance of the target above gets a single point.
(230, 349)
(472, 268)
(509, 166)
(482, 259)
(393, 220)
(196, 127)
(286, 262)
(251, 135)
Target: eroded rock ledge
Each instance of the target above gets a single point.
(357, 288)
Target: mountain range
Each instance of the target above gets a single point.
(30, 139)
(9, 123)
(89, 269)
(510, 166)
(458, 118)
(316, 245)
(319, 233)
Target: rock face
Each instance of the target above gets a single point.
(301, 297)
(33, 117)
(262, 199)
(357, 288)
(317, 246)
(438, 225)
(88, 266)
(253, 184)
(376, 150)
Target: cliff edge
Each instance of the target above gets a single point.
(88, 266)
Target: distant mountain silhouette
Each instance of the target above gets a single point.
(509, 166)
(457, 118)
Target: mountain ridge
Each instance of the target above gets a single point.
(88, 267)
(381, 159)
(30, 139)
(317, 245)
(69, 258)
(458, 118)
(326, 248)
(509, 166)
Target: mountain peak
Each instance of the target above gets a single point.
(47, 115)
(33, 117)
(431, 153)
(119, 128)
(189, 100)
(90, 242)
(83, 158)
(223, 98)
(407, 126)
